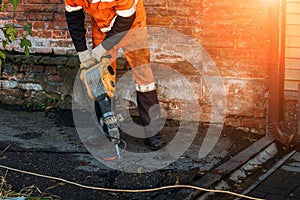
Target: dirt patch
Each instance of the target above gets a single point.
(30, 135)
(61, 117)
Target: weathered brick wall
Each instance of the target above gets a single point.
(236, 34)
(49, 28)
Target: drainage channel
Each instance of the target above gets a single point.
(264, 149)
(268, 173)
(249, 175)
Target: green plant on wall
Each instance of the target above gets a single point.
(11, 34)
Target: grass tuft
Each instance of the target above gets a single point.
(30, 192)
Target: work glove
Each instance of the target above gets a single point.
(86, 59)
(96, 74)
(98, 52)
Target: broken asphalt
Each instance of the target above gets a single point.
(46, 142)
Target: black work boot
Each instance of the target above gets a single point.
(145, 101)
(155, 142)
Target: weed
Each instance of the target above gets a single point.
(29, 193)
(173, 123)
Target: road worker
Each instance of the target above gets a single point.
(112, 21)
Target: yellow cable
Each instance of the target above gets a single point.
(127, 190)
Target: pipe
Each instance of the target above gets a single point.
(277, 67)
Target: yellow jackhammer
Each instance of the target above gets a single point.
(99, 81)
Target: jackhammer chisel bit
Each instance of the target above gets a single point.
(110, 121)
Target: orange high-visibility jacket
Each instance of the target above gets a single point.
(109, 17)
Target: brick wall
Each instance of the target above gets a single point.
(49, 32)
(234, 33)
